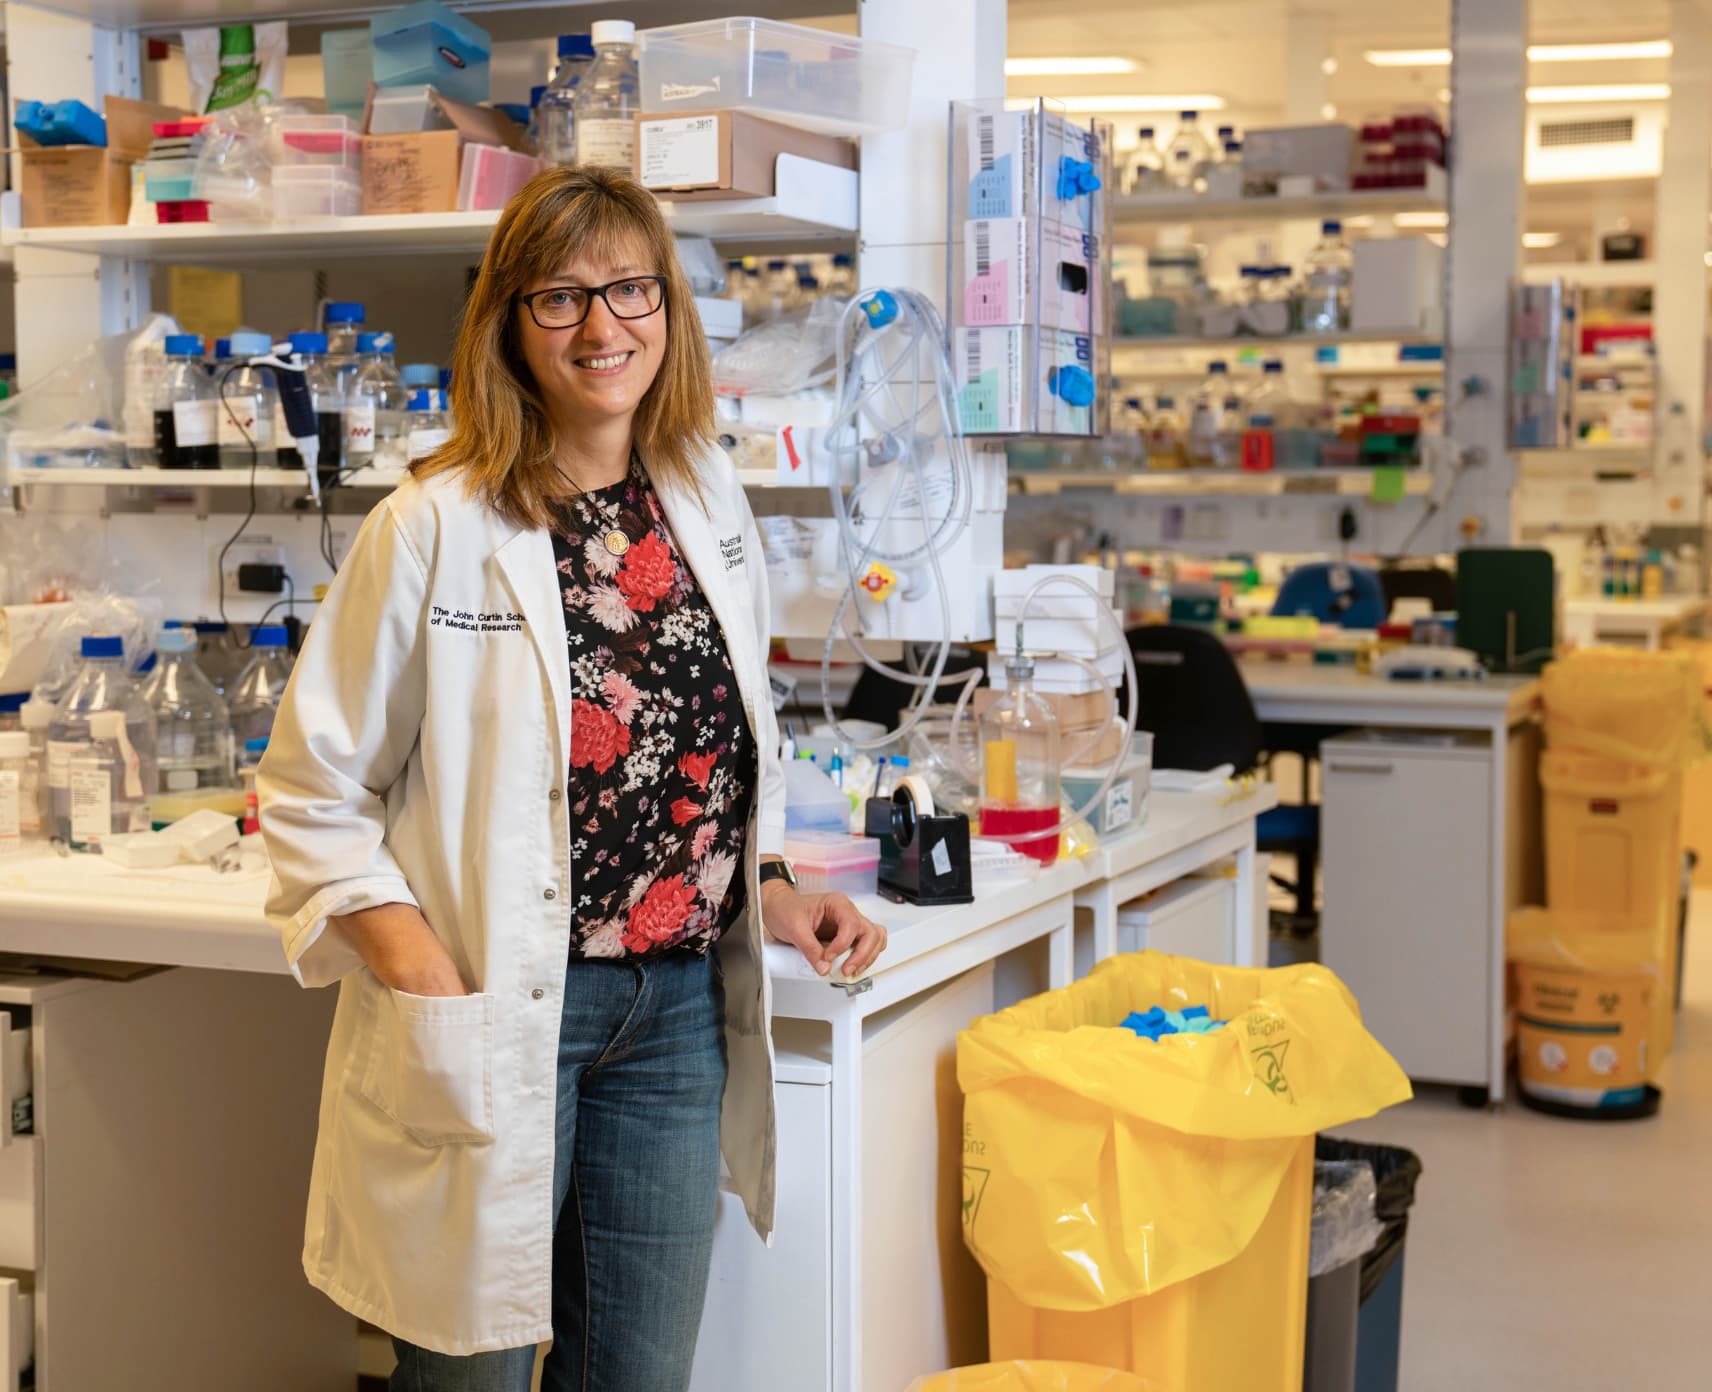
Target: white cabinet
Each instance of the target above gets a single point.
(1407, 844)
(770, 1320)
(1192, 917)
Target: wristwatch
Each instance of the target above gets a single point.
(778, 870)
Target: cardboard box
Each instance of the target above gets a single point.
(1081, 712)
(698, 156)
(86, 185)
(1397, 283)
(419, 172)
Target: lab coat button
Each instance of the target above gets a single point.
(550, 894)
(554, 795)
(537, 993)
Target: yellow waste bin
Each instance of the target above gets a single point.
(1614, 850)
(1146, 1205)
(1641, 707)
(1022, 1376)
(1585, 995)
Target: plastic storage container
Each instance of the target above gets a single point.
(347, 64)
(1124, 806)
(802, 77)
(830, 863)
(491, 174)
(405, 111)
(316, 190)
(426, 42)
(322, 140)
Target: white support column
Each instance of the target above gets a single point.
(1307, 45)
(1679, 298)
(1487, 125)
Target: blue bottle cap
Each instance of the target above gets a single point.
(374, 343)
(420, 375)
(8, 362)
(256, 746)
(251, 345)
(1133, 402)
(269, 636)
(1145, 132)
(11, 705)
(309, 343)
(427, 399)
(1272, 365)
(222, 349)
(344, 312)
(1217, 365)
(445, 379)
(576, 45)
(103, 647)
(842, 259)
(1331, 227)
(209, 626)
(535, 95)
(1188, 115)
(779, 264)
(184, 345)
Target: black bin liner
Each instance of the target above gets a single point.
(1395, 1171)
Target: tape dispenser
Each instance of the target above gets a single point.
(924, 856)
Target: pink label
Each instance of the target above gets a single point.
(986, 299)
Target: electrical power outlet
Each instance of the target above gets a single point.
(249, 549)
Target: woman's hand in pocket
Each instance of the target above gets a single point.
(402, 951)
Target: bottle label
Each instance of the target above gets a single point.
(11, 810)
(422, 443)
(91, 804)
(238, 418)
(59, 761)
(360, 428)
(610, 143)
(193, 423)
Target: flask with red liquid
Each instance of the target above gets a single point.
(1019, 765)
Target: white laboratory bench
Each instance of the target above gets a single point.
(867, 1283)
(1644, 623)
(1395, 877)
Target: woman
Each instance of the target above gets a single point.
(522, 798)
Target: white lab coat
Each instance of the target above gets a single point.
(420, 756)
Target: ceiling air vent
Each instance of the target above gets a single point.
(1604, 130)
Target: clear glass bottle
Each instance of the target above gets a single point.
(1145, 172)
(1327, 273)
(193, 729)
(248, 407)
(35, 718)
(808, 287)
(555, 118)
(1188, 155)
(329, 405)
(842, 281)
(1264, 413)
(344, 320)
(218, 654)
(1207, 421)
(19, 823)
(374, 407)
(1128, 442)
(606, 103)
(101, 750)
(1019, 766)
(256, 695)
(426, 423)
(780, 289)
(532, 133)
(1165, 434)
(1266, 308)
(186, 427)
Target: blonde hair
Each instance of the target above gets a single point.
(503, 439)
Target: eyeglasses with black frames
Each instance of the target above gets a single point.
(566, 306)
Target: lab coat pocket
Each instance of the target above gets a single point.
(430, 1065)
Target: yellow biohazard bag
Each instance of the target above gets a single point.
(1101, 1166)
(1023, 1376)
(1644, 708)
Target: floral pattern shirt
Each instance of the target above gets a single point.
(662, 758)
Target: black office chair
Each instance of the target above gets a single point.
(1197, 707)
(1431, 583)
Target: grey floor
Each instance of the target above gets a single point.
(1565, 1255)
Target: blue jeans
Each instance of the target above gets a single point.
(635, 1185)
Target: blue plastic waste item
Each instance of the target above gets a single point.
(1156, 1023)
(60, 123)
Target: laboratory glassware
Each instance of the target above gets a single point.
(606, 103)
(101, 688)
(193, 728)
(186, 430)
(1019, 765)
(257, 693)
(248, 403)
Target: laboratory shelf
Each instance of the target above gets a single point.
(1592, 275)
(1194, 208)
(1300, 340)
(1206, 483)
(178, 479)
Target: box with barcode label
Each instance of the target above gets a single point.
(1013, 275)
(1035, 163)
(1022, 380)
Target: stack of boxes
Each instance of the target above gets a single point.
(1030, 262)
(1064, 623)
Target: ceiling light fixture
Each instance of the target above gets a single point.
(1539, 241)
(1605, 92)
(1328, 66)
(1537, 53)
(1421, 220)
(1069, 67)
(1190, 101)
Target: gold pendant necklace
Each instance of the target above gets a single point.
(614, 540)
